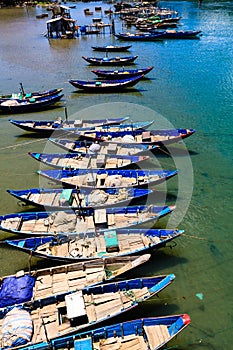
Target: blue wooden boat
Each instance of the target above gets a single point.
(22, 95)
(151, 332)
(82, 220)
(149, 137)
(111, 48)
(56, 198)
(34, 285)
(31, 105)
(89, 147)
(106, 85)
(121, 73)
(141, 36)
(110, 61)
(91, 246)
(49, 126)
(87, 161)
(107, 178)
(181, 34)
(64, 315)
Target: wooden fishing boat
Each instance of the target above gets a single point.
(44, 283)
(89, 246)
(121, 73)
(181, 34)
(149, 137)
(22, 95)
(82, 220)
(105, 85)
(113, 61)
(113, 48)
(62, 199)
(141, 334)
(31, 105)
(70, 313)
(107, 178)
(49, 126)
(87, 161)
(88, 147)
(141, 36)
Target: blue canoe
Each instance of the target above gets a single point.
(181, 34)
(62, 199)
(103, 148)
(110, 61)
(49, 126)
(26, 286)
(121, 73)
(32, 105)
(67, 314)
(140, 36)
(154, 332)
(107, 178)
(89, 246)
(112, 48)
(147, 137)
(81, 220)
(35, 94)
(104, 85)
(87, 161)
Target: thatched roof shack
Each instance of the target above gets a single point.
(61, 25)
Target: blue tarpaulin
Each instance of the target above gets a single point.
(16, 290)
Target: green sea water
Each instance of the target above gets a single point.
(191, 86)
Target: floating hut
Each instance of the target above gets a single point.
(61, 25)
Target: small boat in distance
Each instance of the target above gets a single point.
(121, 73)
(22, 95)
(29, 105)
(181, 34)
(62, 199)
(71, 161)
(107, 61)
(106, 85)
(113, 48)
(49, 126)
(140, 36)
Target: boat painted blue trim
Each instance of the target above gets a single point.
(123, 329)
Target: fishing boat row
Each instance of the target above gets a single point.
(95, 224)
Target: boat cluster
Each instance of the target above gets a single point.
(93, 223)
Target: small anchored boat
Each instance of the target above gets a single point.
(82, 220)
(121, 73)
(107, 178)
(49, 126)
(106, 85)
(113, 48)
(44, 283)
(87, 161)
(148, 137)
(89, 147)
(12, 106)
(107, 61)
(57, 316)
(62, 199)
(152, 332)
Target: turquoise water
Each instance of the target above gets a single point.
(190, 86)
